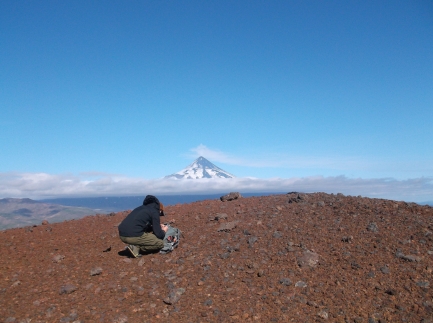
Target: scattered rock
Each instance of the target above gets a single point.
(251, 241)
(308, 259)
(411, 258)
(285, 281)
(208, 302)
(67, 289)
(120, 319)
(221, 216)
(277, 234)
(347, 239)
(231, 196)
(372, 227)
(323, 314)
(174, 296)
(423, 284)
(227, 227)
(301, 284)
(295, 197)
(96, 271)
(225, 255)
(16, 283)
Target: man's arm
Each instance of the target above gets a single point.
(156, 224)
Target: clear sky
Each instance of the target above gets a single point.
(106, 97)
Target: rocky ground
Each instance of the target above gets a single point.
(282, 258)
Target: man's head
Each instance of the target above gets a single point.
(152, 199)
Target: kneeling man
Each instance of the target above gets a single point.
(142, 229)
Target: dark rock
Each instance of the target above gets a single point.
(410, 258)
(58, 258)
(231, 196)
(301, 284)
(221, 216)
(347, 239)
(323, 314)
(285, 281)
(120, 319)
(423, 284)
(225, 255)
(174, 296)
(227, 227)
(251, 241)
(295, 197)
(96, 271)
(308, 259)
(390, 292)
(67, 289)
(277, 234)
(355, 265)
(372, 227)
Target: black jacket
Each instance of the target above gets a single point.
(142, 219)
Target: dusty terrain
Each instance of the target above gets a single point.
(283, 258)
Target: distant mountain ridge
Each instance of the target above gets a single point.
(15, 212)
(201, 168)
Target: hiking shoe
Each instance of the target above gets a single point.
(134, 250)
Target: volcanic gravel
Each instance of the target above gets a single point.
(281, 258)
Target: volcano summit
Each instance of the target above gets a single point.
(201, 168)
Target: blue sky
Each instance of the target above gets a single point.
(107, 97)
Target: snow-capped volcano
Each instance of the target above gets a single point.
(201, 168)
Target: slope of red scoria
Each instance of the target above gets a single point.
(282, 258)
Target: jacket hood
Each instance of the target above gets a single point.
(149, 199)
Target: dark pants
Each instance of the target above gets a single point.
(148, 242)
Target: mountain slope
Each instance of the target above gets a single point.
(201, 168)
(282, 258)
(23, 212)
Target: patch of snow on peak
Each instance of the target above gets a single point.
(201, 168)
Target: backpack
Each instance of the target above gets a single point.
(171, 239)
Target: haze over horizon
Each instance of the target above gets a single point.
(108, 98)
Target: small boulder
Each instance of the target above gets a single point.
(372, 227)
(231, 196)
(285, 281)
(227, 227)
(221, 216)
(308, 259)
(67, 289)
(96, 271)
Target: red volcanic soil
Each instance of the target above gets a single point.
(282, 258)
